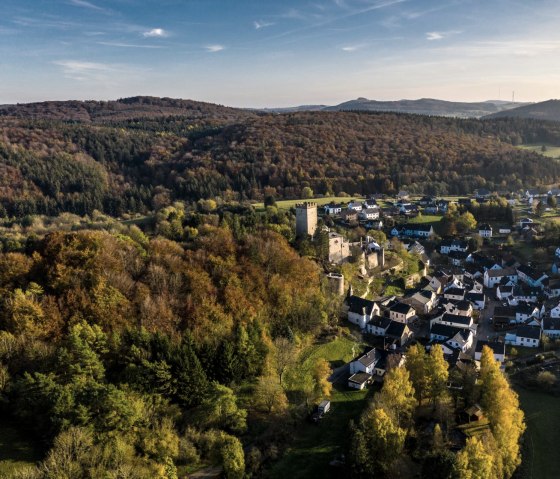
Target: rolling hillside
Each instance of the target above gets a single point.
(546, 110)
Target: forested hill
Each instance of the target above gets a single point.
(124, 109)
(138, 158)
(546, 110)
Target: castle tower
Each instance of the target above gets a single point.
(306, 219)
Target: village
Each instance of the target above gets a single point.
(465, 295)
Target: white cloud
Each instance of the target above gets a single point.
(155, 32)
(214, 48)
(261, 24)
(127, 45)
(82, 71)
(434, 36)
(352, 48)
(85, 4)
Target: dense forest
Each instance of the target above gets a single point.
(137, 154)
(131, 357)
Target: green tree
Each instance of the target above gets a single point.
(397, 395)
(474, 462)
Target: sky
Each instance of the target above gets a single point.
(273, 53)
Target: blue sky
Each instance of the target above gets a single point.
(279, 53)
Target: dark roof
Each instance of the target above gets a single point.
(455, 292)
(380, 321)
(504, 311)
(401, 308)
(485, 227)
(475, 296)
(396, 329)
(357, 305)
(496, 347)
(456, 318)
(551, 324)
(444, 330)
(463, 305)
(525, 308)
(359, 378)
(458, 254)
(419, 227)
(530, 272)
(532, 332)
(371, 357)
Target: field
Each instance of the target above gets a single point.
(542, 415)
(318, 444)
(287, 204)
(15, 451)
(551, 150)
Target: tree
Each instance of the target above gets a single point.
(501, 406)
(269, 395)
(220, 410)
(539, 208)
(546, 379)
(285, 353)
(416, 366)
(397, 395)
(233, 457)
(306, 192)
(551, 201)
(437, 373)
(466, 222)
(474, 462)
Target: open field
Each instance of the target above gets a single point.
(542, 415)
(551, 150)
(318, 444)
(433, 219)
(287, 204)
(15, 451)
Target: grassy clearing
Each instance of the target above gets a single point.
(318, 444)
(15, 451)
(542, 415)
(423, 219)
(287, 204)
(551, 150)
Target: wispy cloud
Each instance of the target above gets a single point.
(155, 33)
(82, 71)
(353, 48)
(127, 45)
(434, 36)
(86, 4)
(214, 48)
(262, 24)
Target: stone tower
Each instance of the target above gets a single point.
(306, 219)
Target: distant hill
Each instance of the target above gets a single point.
(546, 110)
(427, 106)
(124, 109)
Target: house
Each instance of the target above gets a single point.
(369, 214)
(402, 312)
(403, 195)
(553, 288)
(525, 293)
(446, 246)
(377, 325)
(375, 362)
(557, 252)
(551, 327)
(482, 193)
(443, 205)
(412, 230)
(555, 312)
(493, 277)
(443, 332)
(457, 258)
(360, 310)
(462, 340)
(504, 292)
(527, 336)
(359, 380)
(426, 200)
(504, 230)
(478, 300)
(455, 320)
(524, 311)
(370, 203)
(431, 209)
(350, 216)
(531, 276)
(498, 348)
(355, 205)
(423, 301)
(398, 332)
(485, 230)
(332, 209)
(504, 316)
(454, 293)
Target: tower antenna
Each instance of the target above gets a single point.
(513, 96)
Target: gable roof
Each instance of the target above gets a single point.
(401, 308)
(457, 319)
(444, 330)
(531, 332)
(495, 346)
(396, 329)
(357, 305)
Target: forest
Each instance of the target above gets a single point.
(135, 155)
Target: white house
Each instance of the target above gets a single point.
(462, 340)
(333, 209)
(485, 230)
(369, 214)
(455, 320)
(532, 277)
(551, 327)
(403, 313)
(360, 310)
(355, 205)
(526, 336)
(477, 299)
(493, 277)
